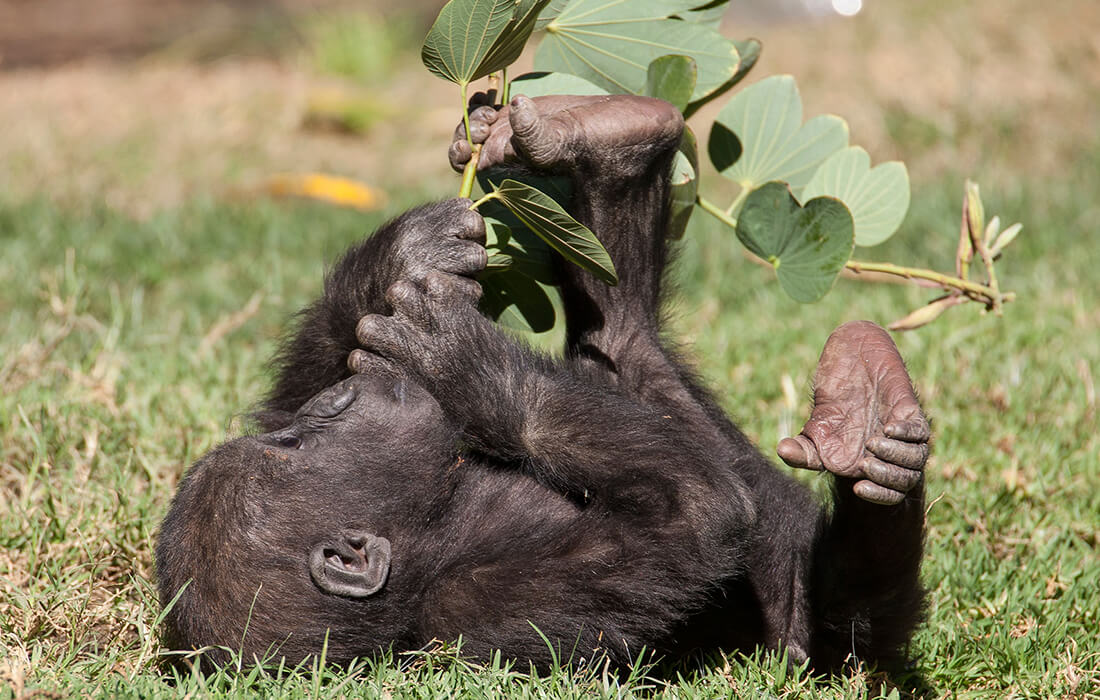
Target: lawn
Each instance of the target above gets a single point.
(131, 343)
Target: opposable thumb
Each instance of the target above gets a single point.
(799, 451)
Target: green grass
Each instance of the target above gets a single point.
(128, 347)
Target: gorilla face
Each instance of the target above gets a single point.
(270, 529)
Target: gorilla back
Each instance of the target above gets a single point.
(421, 476)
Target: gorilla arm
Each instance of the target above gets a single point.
(585, 440)
(444, 236)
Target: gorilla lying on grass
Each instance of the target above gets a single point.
(422, 475)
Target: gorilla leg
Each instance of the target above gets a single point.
(620, 154)
(826, 585)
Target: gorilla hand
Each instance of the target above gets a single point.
(866, 423)
(567, 132)
(431, 333)
(446, 236)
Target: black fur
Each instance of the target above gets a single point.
(603, 499)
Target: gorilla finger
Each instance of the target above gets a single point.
(459, 154)
(469, 259)
(470, 225)
(799, 452)
(539, 139)
(870, 491)
(911, 455)
(407, 300)
(363, 362)
(452, 289)
(486, 114)
(449, 289)
(912, 430)
(382, 335)
(890, 475)
(479, 131)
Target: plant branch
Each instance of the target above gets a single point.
(466, 111)
(483, 200)
(741, 196)
(716, 211)
(469, 173)
(987, 294)
(990, 294)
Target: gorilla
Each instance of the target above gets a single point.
(419, 475)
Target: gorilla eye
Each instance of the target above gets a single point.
(292, 442)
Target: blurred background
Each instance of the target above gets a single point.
(142, 103)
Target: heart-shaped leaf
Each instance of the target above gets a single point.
(546, 83)
(877, 197)
(540, 213)
(759, 136)
(612, 42)
(807, 246)
(672, 79)
(463, 35)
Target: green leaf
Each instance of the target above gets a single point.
(463, 35)
(759, 136)
(550, 13)
(710, 13)
(545, 83)
(530, 254)
(509, 45)
(497, 233)
(517, 301)
(807, 246)
(749, 52)
(612, 43)
(672, 79)
(562, 232)
(878, 198)
(685, 185)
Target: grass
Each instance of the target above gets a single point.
(128, 346)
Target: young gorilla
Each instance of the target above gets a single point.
(459, 484)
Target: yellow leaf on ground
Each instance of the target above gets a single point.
(326, 188)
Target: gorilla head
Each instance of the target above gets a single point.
(285, 537)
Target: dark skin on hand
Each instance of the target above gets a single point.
(420, 475)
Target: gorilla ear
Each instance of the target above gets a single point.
(353, 564)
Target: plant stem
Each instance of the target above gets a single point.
(469, 173)
(483, 200)
(989, 294)
(504, 86)
(465, 112)
(741, 196)
(716, 211)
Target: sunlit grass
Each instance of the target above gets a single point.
(127, 347)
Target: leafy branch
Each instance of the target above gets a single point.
(988, 241)
(806, 198)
